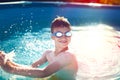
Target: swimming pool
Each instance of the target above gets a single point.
(24, 26)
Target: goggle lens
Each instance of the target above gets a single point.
(68, 34)
(58, 34)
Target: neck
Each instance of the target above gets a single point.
(58, 50)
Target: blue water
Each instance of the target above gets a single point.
(25, 27)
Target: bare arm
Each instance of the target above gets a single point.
(21, 70)
(31, 72)
(53, 67)
(11, 67)
(42, 60)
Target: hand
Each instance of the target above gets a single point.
(2, 58)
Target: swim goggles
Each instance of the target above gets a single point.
(60, 34)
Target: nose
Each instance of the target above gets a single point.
(63, 37)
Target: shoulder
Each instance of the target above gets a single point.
(67, 56)
(70, 56)
(70, 53)
(47, 52)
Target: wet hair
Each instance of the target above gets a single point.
(60, 22)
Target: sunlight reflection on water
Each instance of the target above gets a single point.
(98, 53)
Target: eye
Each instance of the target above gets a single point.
(68, 34)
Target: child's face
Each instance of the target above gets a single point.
(63, 40)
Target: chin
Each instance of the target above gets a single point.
(65, 45)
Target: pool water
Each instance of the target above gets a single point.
(25, 28)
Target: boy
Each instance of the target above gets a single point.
(62, 63)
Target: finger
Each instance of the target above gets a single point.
(2, 55)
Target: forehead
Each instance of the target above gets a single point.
(61, 29)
